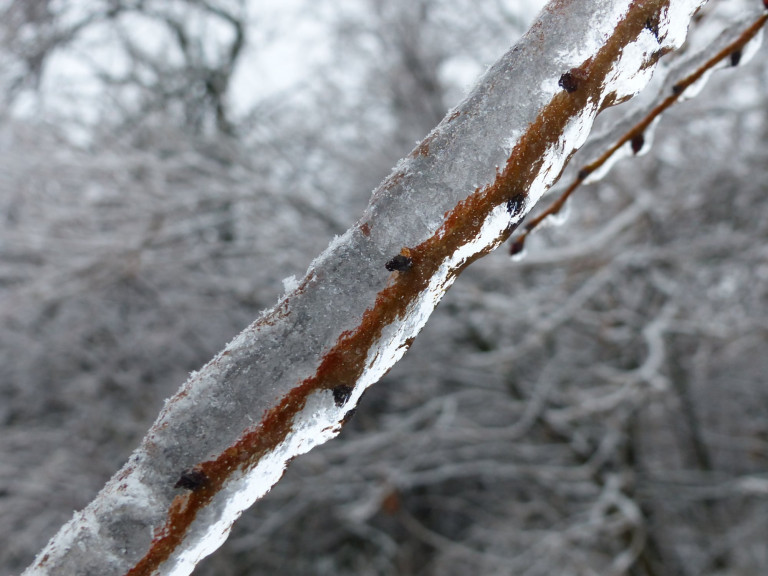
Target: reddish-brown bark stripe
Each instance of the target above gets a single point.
(345, 362)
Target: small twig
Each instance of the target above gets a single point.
(635, 134)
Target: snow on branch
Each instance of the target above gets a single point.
(290, 380)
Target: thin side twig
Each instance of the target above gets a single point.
(635, 134)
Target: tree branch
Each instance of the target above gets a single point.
(290, 380)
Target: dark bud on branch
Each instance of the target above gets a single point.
(735, 57)
(400, 263)
(341, 394)
(583, 173)
(192, 479)
(637, 143)
(517, 246)
(677, 89)
(568, 82)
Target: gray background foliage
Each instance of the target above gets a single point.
(599, 408)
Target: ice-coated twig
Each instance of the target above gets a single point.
(636, 135)
(290, 380)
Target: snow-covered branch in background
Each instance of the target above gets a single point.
(291, 379)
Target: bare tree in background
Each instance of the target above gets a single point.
(599, 406)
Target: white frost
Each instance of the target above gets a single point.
(290, 284)
(83, 522)
(328, 252)
(510, 143)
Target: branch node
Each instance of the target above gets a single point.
(401, 263)
(193, 479)
(571, 80)
(583, 173)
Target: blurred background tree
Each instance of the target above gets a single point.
(597, 408)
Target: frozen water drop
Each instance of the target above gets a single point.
(518, 256)
(750, 49)
(642, 142)
(694, 89)
(510, 143)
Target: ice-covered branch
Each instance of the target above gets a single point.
(638, 137)
(291, 379)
